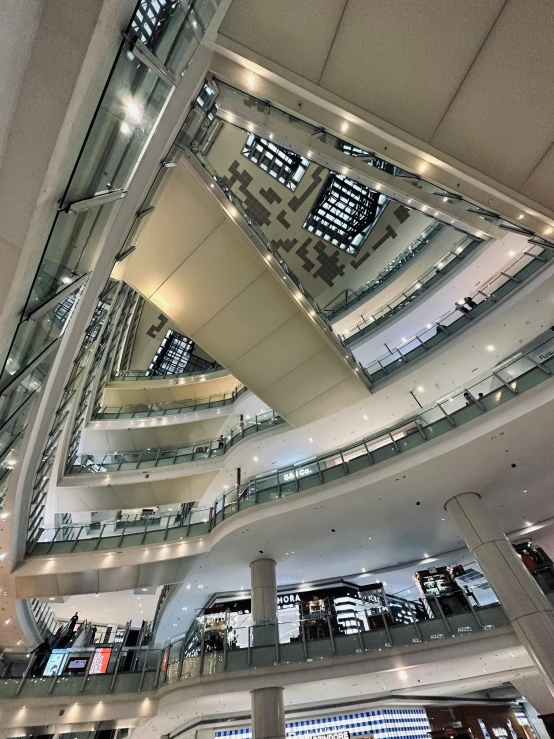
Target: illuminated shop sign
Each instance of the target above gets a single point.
(301, 472)
(331, 735)
(500, 732)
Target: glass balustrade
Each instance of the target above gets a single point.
(503, 283)
(196, 368)
(171, 408)
(131, 106)
(163, 456)
(208, 651)
(413, 292)
(349, 298)
(509, 379)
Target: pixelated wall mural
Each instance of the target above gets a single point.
(324, 269)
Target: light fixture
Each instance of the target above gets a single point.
(310, 440)
(548, 231)
(134, 113)
(403, 675)
(422, 167)
(255, 459)
(420, 389)
(429, 325)
(344, 126)
(490, 348)
(511, 253)
(125, 128)
(251, 80)
(520, 217)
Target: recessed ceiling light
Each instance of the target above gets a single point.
(310, 439)
(344, 126)
(255, 459)
(490, 348)
(520, 217)
(403, 675)
(420, 389)
(548, 231)
(511, 253)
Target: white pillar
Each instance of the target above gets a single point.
(529, 611)
(540, 702)
(268, 713)
(264, 601)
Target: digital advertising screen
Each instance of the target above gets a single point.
(100, 661)
(55, 663)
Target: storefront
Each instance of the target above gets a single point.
(338, 607)
(479, 722)
(385, 723)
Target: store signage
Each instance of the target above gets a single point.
(331, 735)
(288, 599)
(543, 353)
(302, 472)
(500, 732)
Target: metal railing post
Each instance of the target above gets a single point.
(331, 637)
(86, 676)
(277, 647)
(249, 647)
(448, 627)
(143, 669)
(303, 635)
(26, 673)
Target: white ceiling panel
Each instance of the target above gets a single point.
(501, 119)
(538, 186)
(403, 61)
(297, 35)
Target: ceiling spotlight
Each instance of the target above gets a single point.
(490, 348)
(403, 675)
(255, 459)
(344, 126)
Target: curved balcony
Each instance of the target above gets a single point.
(508, 380)
(136, 669)
(162, 457)
(198, 367)
(170, 408)
(498, 287)
(349, 299)
(413, 293)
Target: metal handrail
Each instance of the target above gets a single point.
(380, 279)
(449, 412)
(160, 409)
(417, 287)
(483, 300)
(155, 456)
(145, 668)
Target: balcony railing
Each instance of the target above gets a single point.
(171, 408)
(349, 298)
(506, 381)
(117, 669)
(194, 368)
(162, 457)
(414, 292)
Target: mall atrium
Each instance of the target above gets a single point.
(277, 350)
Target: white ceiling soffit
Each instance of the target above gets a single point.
(194, 264)
(470, 80)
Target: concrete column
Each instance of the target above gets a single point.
(264, 602)
(528, 609)
(539, 704)
(268, 712)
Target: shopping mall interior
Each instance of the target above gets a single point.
(277, 357)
